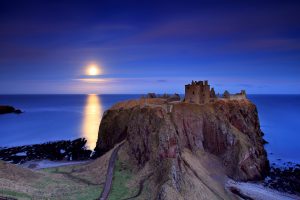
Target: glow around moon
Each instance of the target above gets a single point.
(93, 70)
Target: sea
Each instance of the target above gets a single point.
(66, 117)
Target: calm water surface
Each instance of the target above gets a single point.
(54, 117)
(57, 117)
(280, 121)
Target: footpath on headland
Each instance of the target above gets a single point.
(110, 172)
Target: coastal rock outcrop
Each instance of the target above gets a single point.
(57, 150)
(9, 109)
(185, 143)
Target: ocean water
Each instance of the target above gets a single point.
(54, 117)
(59, 117)
(280, 121)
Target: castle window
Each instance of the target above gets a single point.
(193, 92)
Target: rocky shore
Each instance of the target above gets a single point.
(9, 109)
(284, 178)
(58, 150)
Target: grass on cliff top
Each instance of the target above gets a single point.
(122, 175)
(52, 188)
(67, 186)
(119, 191)
(13, 194)
(51, 183)
(66, 182)
(82, 189)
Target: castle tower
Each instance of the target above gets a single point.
(197, 92)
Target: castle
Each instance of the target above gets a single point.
(199, 92)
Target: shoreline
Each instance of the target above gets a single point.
(257, 191)
(63, 150)
(250, 190)
(44, 164)
(66, 152)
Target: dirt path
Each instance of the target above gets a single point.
(77, 179)
(110, 173)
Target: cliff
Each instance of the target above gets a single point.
(189, 148)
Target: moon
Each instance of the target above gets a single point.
(93, 70)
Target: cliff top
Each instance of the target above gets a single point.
(164, 102)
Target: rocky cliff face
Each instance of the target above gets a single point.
(173, 137)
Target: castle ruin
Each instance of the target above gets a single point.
(237, 96)
(199, 92)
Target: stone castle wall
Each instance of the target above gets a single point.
(237, 97)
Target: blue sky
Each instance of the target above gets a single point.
(149, 46)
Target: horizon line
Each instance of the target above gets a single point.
(133, 93)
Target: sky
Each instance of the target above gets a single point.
(149, 46)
